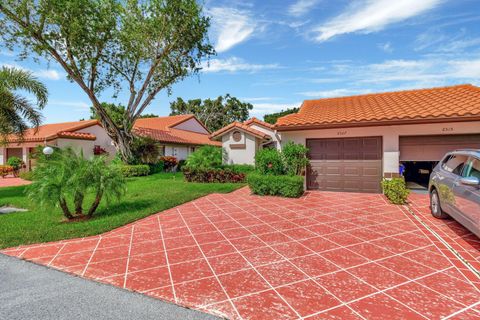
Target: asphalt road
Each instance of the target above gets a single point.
(29, 291)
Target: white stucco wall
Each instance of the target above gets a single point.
(270, 132)
(2, 157)
(85, 145)
(102, 140)
(390, 135)
(240, 156)
(192, 125)
(181, 152)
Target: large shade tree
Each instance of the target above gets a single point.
(18, 113)
(214, 113)
(137, 47)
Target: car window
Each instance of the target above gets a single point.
(472, 169)
(455, 164)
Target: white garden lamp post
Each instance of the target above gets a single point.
(47, 150)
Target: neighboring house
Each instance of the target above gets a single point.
(178, 135)
(242, 140)
(356, 141)
(81, 135)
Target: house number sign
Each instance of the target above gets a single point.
(447, 129)
(341, 133)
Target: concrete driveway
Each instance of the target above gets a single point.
(324, 256)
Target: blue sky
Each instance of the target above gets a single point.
(277, 53)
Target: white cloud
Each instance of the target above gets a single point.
(301, 7)
(235, 64)
(230, 27)
(371, 15)
(387, 47)
(76, 105)
(48, 74)
(335, 93)
(440, 42)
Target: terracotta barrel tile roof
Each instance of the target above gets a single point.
(54, 130)
(254, 120)
(461, 101)
(163, 129)
(241, 126)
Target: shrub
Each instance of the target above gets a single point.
(68, 178)
(5, 170)
(181, 164)
(395, 190)
(269, 161)
(135, 170)
(145, 150)
(27, 175)
(16, 163)
(276, 185)
(239, 168)
(212, 175)
(206, 157)
(169, 162)
(294, 158)
(156, 168)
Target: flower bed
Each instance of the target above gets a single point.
(213, 175)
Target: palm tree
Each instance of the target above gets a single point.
(17, 113)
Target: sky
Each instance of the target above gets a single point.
(277, 53)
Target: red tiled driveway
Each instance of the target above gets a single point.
(12, 182)
(323, 256)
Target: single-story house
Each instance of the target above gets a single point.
(178, 135)
(242, 140)
(356, 141)
(85, 135)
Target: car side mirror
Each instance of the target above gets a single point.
(470, 181)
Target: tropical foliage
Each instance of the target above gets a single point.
(17, 113)
(205, 157)
(143, 47)
(273, 117)
(395, 190)
(213, 113)
(65, 178)
(294, 158)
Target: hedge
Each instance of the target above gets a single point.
(395, 190)
(212, 175)
(135, 170)
(281, 185)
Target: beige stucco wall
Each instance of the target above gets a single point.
(102, 140)
(192, 125)
(86, 146)
(181, 152)
(240, 156)
(390, 135)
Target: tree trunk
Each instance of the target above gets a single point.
(64, 206)
(122, 139)
(95, 203)
(78, 203)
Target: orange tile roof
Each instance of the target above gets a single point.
(461, 102)
(58, 130)
(254, 120)
(241, 126)
(162, 129)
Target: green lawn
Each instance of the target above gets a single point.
(145, 196)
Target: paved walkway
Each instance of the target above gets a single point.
(13, 182)
(323, 256)
(30, 291)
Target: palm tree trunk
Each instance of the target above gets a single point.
(95, 203)
(64, 206)
(78, 203)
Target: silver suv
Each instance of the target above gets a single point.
(455, 188)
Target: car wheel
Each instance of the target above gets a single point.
(435, 207)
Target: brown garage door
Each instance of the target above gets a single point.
(433, 148)
(346, 164)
